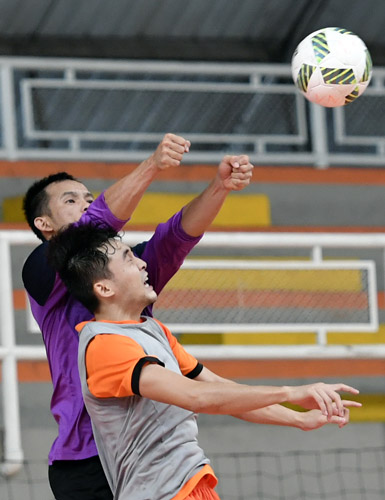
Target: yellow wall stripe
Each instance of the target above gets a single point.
(239, 210)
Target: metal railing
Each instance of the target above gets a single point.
(68, 109)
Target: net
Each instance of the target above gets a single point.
(354, 474)
(29, 483)
(226, 295)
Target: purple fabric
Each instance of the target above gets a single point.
(57, 318)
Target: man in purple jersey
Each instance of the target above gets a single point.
(58, 200)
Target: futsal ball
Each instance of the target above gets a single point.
(331, 67)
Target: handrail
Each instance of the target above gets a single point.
(276, 114)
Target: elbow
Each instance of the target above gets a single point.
(196, 403)
(203, 403)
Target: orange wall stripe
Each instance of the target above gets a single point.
(33, 371)
(100, 170)
(283, 368)
(19, 299)
(38, 371)
(103, 170)
(308, 175)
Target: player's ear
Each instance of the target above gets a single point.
(43, 223)
(103, 289)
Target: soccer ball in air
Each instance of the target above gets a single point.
(331, 67)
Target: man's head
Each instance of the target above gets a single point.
(101, 271)
(54, 202)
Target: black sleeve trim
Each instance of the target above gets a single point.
(194, 373)
(138, 369)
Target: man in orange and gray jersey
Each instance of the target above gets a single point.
(142, 389)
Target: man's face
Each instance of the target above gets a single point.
(129, 281)
(68, 200)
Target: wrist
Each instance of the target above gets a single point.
(151, 164)
(218, 185)
(299, 420)
(286, 394)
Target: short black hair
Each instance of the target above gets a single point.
(79, 255)
(35, 202)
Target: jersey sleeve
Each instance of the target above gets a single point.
(165, 252)
(189, 366)
(114, 364)
(99, 213)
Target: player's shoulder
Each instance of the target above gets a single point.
(38, 255)
(37, 275)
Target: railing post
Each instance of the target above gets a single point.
(8, 111)
(322, 337)
(316, 253)
(319, 136)
(13, 453)
(317, 256)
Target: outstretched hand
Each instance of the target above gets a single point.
(235, 172)
(170, 151)
(314, 419)
(323, 396)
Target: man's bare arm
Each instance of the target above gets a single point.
(234, 173)
(161, 384)
(123, 197)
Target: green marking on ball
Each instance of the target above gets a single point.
(304, 76)
(340, 76)
(320, 46)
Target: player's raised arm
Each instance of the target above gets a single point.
(234, 173)
(123, 196)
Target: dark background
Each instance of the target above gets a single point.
(210, 30)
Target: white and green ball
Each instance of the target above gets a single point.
(331, 67)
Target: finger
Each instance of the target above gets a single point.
(175, 147)
(324, 402)
(238, 174)
(173, 152)
(345, 388)
(335, 419)
(347, 403)
(346, 417)
(171, 158)
(237, 161)
(177, 143)
(335, 409)
(336, 398)
(246, 167)
(320, 403)
(329, 404)
(243, 160)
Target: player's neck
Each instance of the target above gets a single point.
(116, 313)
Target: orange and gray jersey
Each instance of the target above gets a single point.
(149, 450)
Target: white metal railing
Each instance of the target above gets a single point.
(43, 117)
(314, 270)
(10, 352)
